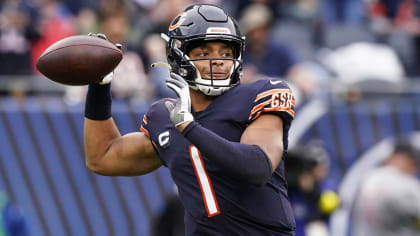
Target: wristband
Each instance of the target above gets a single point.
(98, 102)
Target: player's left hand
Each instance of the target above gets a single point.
(108, 78)
(180, 112)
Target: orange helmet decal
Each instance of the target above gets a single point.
(179, 19)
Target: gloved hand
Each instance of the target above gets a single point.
(180, 112)
(108, 78)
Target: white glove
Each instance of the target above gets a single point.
(180, 112)
(108, 78)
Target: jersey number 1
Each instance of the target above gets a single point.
(205, 185)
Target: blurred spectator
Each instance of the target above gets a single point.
(155, 16)
(397, 23)
(108, 8)
(75, 6)
(87, 21)
(236, 7)
(302, 29)
(12, 221)
(155, 49)
(16, 32)
(130, 80)
(55, 23)
(360, 61)
(150, 19)
(263, 55)
(305, 15)
(387, 15)
(306, 167)
(343, 12)
(388, 202)
(360, 68)
(413, 27)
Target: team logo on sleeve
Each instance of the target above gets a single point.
(164, 139)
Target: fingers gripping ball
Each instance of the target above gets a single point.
(328, 202)
(79, 60)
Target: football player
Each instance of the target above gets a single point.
(222, 141)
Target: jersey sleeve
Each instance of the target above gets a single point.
(274, 97)
(146, 127)
(143, 126)
(156, 113)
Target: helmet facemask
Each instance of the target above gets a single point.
(214, 87)
(186, 68)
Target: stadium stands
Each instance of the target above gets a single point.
(43, 169)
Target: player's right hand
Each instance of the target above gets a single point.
(108, 78)
(180, 112)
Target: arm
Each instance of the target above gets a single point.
(267, 133)
(109, 153)
(106, 151)
(253, 159)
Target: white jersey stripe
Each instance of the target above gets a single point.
(204, 181)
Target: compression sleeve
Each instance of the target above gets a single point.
(246, 163)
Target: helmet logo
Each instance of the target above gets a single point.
(179, 19)
(218, 30)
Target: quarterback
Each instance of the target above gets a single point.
(222, 141)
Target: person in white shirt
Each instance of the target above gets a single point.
(388, 202)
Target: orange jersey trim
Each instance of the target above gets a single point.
(270, 92)
(145, 119)
(259, 106)
(288, 110)
(144, 131)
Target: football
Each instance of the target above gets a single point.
(79, 60)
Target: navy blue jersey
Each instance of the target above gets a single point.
(214, 203)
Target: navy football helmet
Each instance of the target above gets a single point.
(198, 24)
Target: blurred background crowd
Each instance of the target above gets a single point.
(317, 46)
(310, 43)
